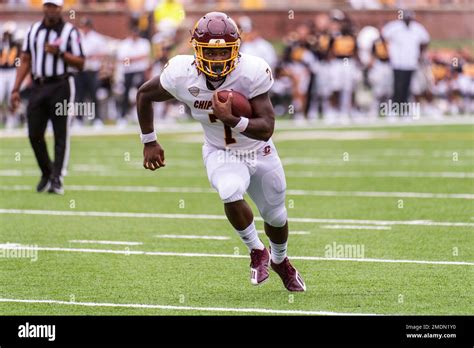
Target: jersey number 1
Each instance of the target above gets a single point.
(228, 132)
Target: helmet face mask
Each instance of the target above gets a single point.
(215, 30)
(216, 68)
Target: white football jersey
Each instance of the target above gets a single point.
(251, 77)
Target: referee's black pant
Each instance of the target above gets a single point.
(134, 79)
(87, 83)
(402, 80)
(47, 102)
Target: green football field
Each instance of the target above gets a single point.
(381, 222)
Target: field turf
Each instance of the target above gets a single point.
(382, 219)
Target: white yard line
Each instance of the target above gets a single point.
(315, 153)
(381, 174)
(161, 253)
(119, 189)
(355, 227)
(182, 308)
(381, 194)
(108, 173)
(281, 125)
(16, 187)
(222, 217)
(111, 242)
(317, 193)
(183, 236)
(288, 173)
(8, 245)
(370, 161)
(290, 232)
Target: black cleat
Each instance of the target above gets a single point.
(44, 184)
(56, 186)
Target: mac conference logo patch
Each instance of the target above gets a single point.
(194, 91)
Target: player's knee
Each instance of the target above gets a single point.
(231, 188)
(276, 217)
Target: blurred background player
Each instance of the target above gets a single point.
(364, 97)
(9, 59)
(254, 44)
(380, 75)
(345, 72)
(441, 88)
(465, 80)
(323, 75)
(299, 60)
(169, 36)
(133, 64)
(304, 63)
(87, 81)
(169, 14)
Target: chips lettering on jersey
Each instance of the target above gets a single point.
(194, 91)
(202, 104)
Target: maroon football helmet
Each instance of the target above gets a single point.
(215, 30)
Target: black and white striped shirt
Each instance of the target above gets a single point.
(45, 64)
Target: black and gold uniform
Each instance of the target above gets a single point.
(380, 50)
(343, 46)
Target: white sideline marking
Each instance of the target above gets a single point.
(184, 308)
(352, 227)
(289, 192)
(109, 173)
(320, 152)
(222, 217)
(7, 245)
(290, 232)
(367, 161)
(162, 253)
(382, 174)
(182, 236)
(340, 135)
(118, 188)
(288, 173)
(141, 189)
(282, 125)
(381, 194)
(104, 242)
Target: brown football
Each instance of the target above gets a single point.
(240, 105)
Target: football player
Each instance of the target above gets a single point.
(238, 152)
(344, 70)
(323, 89)
(380, 74)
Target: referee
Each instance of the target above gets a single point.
(51, 53)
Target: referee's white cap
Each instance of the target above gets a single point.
(54, 2)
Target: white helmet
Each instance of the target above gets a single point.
(9, 27)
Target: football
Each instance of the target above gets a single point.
(240, 105)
